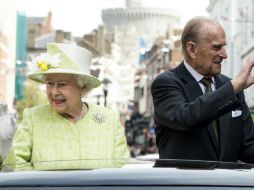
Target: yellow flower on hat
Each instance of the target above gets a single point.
(66, 59)
(46, 61)
(43, 66)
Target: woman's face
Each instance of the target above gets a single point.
(63, 93)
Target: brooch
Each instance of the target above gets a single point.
(98, 118)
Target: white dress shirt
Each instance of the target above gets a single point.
(198, 77)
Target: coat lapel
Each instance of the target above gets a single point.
(212, 137)
(190, 84)
(224, 121)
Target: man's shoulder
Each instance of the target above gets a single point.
(170, 76)
(166, 74)
(179, 71)
(223, 77)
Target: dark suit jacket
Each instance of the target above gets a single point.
(183, 117)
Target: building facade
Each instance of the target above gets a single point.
(133, 31)
(165, 54)
(237, 18)
(7, 51)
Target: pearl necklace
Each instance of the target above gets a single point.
(83, 111)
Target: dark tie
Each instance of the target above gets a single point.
(208, 88)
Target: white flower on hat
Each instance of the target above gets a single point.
(46, 61)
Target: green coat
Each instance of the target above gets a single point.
(5, 147)
(47, 141)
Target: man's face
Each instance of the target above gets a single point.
(210, 51)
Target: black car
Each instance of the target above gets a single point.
(139, 175)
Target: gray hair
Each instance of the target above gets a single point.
(84, 83)
(194, 31)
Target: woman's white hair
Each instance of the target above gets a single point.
(84, 83)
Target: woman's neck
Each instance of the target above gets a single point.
(74, 117)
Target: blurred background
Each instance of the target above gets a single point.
(132, 41)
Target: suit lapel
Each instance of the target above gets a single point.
(224, 121)
(189, 81)
(190, 84)
(212, 137)
(210, 129)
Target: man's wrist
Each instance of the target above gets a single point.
(236, 86)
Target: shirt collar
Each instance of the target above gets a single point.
(194, 73)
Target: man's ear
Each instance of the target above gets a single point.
(191, 49)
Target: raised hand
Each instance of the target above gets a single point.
(7, 123)
(244, 78)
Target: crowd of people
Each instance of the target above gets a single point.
(199, 113)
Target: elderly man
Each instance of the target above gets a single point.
(200, 113)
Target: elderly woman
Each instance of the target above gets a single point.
(67, 133)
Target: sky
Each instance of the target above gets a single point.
(67, 14)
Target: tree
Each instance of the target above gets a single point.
(33, 95)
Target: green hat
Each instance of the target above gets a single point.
(64, 58)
